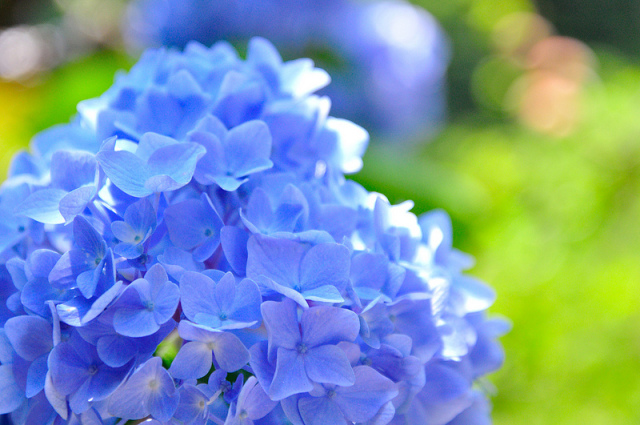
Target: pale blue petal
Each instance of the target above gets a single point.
(43, 206)
(234, 244)
(277, 259)
(329, 325)
(193, 361)
(329, 364)
(197, 295)
(127, 171)
(30, 336)
(325, 264)
(134, 322)
(36, 376)
(116, 350)
(325, 293)
(75, 202)
(225, 292)
(12, 395)
(247, 148)
(371, 391)
(290, 377)
(230, 352)
(177, 162)
(281, 321)
(320, 411)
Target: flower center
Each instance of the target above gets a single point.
(154, 384)
(93, 369)
(150, 305)
(208, 232)
(302, 348)
(243, 414)
(331, 393)
(223, 316)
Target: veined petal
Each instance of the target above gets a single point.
(290, 377)
(193, 361)
(328, 364)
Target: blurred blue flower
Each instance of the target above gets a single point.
(388, 58)
(194, 224)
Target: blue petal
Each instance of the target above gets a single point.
(87, 238)
(288, 292)
(475, 295)
(75, 202)
(254, 400)
(320, 411)
(229, 183)
(162, 402)
(260, 365)
(371, 391)
(193, 361)
(277, 259)
(329, 364)
(151, 142)
(247, 148)
(328, 325)
(36, 376)
(43, 206)
(31, 336)
(290, 377)
(192, 222)
(225, 292)
(229, 352)
(127, 171)
(281, 321)
(141, 216)
(124, 232)
(139, 395)
(12, 395)
(234, 244)
(325, 264)
(71, 169)
(197, 295)
(166, 302)
(57, 400)
(134, 322)
(68, 369)
(193, 405)
(116, 350)
(325, 293)
(300, 78)
(178, 162)
(246, 304)
(212, 163)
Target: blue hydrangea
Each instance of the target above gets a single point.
(388, 58)
(188, 251)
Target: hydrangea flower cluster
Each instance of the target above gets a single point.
(200, 206)
(387, 58)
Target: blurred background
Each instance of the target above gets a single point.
(532, 146)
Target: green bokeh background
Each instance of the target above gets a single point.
(554, 222)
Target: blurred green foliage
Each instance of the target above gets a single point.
(554, 222)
